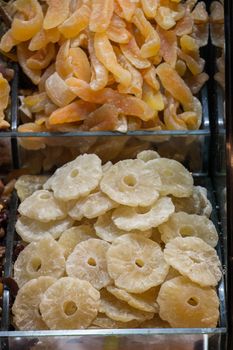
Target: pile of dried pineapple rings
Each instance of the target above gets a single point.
(110, 64)
(122, 245)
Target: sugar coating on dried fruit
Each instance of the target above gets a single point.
(195, 259)
(120, 311)
(182, 225)
(128, 219)
(197, 203)
(105, 322)
(43, 206)
(148, 155)
(75, 309)
(176, 180)
(184, 304)
(32, 230)
(42, 258)
(145, 301)
(27, 184)
(131, 183)
(136, 264)
(26, 305)
(108, 231)
(74, 235)
(91, 207)
(80, 177)
(88, 262)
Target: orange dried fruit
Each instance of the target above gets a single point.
(133, 54)
(80, 63)
(42, 58)
(4, 93)
(64, 66)
(58, 91)
(56, 13)
(117, 31)
(169, 45)
(103, 118)
(184, 25)
(128, 8)
(149, 75)
(42, 38)
(150, 7)
(199, 14)
(165, 17)
(101, 14)
(23, 55)
(8, 41)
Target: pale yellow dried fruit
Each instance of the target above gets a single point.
(197, 203)
(80, 177)
(148, 155)
(88, 262)
(104, 322)
(71, 237)
(129, 219)
(91, 207)
(172, 273)
(182, 224)
(155, 322)
(25, 309)
(195, 259)
(27, 184)
(70, 303)
(131, 183)
(145, 301)
(136, 264)
(119, 311)
(184, 304)
(176, 180)
(32, 230)
(106, 166)
(42, 258)
(108, 231)
(42, 206)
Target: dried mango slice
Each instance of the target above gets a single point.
(105, 54)
(150, 7)
(58, 91)
(42, 58)
(99, 78)
(136, 264)
(175, 85)
(196, 67)
(165, 17)
(23, 29)
(4, 93)
(23, 55)
(8, 41)
(101, 14)
(185, 304)
(77, 22)
(48, 71)
(185, 25)
(169, 45)
(152, 98)
(80, 63)
(56, 13)
(149, 75)
(74, 112)
(103, 118)
(35, 103)
(128, 105)
(117, 31)
(128, 8)
(152, 41)
(43, 38)
(133, 54)
(64, 65)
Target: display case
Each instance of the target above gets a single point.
(207, 153)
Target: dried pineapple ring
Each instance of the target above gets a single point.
(71, 237)
(91, 207)
(148, 155)
(104, 322)
(130, 182)
(32, 230)
(27, 184)
(42, 206)
(26, 305)
(176, 180)
(88, 262)
(108, 231)
(136, 263)
(155, 322)
(70, 303)
(194, 258)
(22, 29)
(119, 311)
(182, 224)
(42, 258)
(128, 219)
(81, 176)
(144, 302)
(197, 203)
(185, 304)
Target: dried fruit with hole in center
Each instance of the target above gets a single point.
(42, 258)
(136, 264)
(182, 225)
(26, 313)
(105, 322)
(88, 262)
(143, 218)
(184, 304)
(195, 259)
(131, 183)
(147, 155)
(27, 184)
(70, 303)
